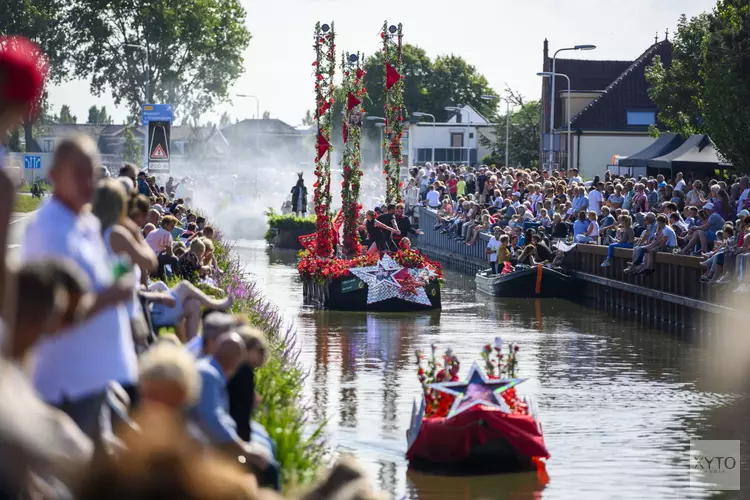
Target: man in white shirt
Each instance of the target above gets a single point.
(433, 198)
(574, 177)
(596, 198)
(679, 182)
(73, 368)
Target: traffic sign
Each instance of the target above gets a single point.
(158, 153)
(157, 113)
(158, 168)
(32, 162)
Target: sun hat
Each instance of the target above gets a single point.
(708, 206)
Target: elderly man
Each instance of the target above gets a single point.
(705, 233)
(211, 413)
(215, 324)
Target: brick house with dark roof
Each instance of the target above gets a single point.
(610, 108)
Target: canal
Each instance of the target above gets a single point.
(619, 403)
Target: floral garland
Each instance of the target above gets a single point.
(354, 88)
(394, 110)
(445, 369)
(325, 67)
(312, 267)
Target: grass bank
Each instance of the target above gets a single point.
(279, 383)
(25, 203)
(304, 225)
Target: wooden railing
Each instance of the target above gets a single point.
(427, 221)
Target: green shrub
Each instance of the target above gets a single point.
(304, 225)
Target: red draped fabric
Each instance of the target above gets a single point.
(451, 440)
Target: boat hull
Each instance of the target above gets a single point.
(350, 294)
(479, 440)
(534, 282)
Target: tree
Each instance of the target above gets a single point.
(525, 120)
(99, 116)
(677, 89)
(65, 115)
(225, 120)
(455, 82)
(45, 22)
(132, 151)
(429, 86)
(266, 115)
(193, 50)
(308, 119)
(726, 79)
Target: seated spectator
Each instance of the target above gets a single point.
(705, 234)
(665, 239)
(624, 239)
(607, 225)
(161, 239)
(591, 235)
(215, 324)
(543, 218)
(190, 265)
(211, 412)
(542, 253)
(148, 229)
(187, 300)
(580, 226)
(559, 228)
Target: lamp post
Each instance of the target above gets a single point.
(420, 114)
(552, 93)
(257, 132)
(146, 97)
(549, 74)
(507, 121)
(381, 125)
(468, 124)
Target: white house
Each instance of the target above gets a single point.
(455, 141)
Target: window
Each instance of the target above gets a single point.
(457, 139)
(424, 155)
(641, 118)
(49, 145)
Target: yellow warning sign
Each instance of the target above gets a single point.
(158, 153)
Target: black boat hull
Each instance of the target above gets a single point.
(350, 294)
(535, 282)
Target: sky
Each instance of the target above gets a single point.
(502, 39)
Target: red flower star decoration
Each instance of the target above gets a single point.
(409, 284)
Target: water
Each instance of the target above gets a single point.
(619, 403)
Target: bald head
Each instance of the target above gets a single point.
(229, 352)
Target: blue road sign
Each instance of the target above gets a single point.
(32, 162)
(156, 113)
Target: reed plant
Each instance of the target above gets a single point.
(300, 446)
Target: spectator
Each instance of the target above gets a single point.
(65, 373)
(705, 234)
(591, 234)
(596, 198)
(161, 239)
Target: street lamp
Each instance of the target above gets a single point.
(549, 74)
(420, 114)
(146, 97)
(468, 124)
(381, 125)
(507, 121)
(257, 132)
(552, 93)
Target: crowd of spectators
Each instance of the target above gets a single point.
(526, 212)
(129, 375)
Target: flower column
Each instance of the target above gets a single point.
(352, 131)
(325, 67)
(394, 110)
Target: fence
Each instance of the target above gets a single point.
(454, 254)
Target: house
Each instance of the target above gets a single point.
(610, 111)
(454, 141)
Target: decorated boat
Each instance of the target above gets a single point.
(537, 281)
(401, 282)
(476, 425)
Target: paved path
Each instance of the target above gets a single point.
(18, 223)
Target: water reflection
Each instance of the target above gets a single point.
(619, 402)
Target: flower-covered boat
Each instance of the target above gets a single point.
(477, 425)
(400, 282)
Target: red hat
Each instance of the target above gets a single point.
(23, 69)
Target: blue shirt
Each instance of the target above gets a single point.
(607, 221)
(628, 200)
(211, 413)
(143, 187)
(580, 203)
(580, 227)
(715, 222)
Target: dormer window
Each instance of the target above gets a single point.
(641, 118)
